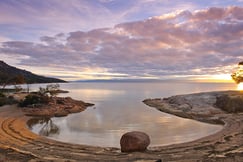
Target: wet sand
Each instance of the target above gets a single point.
(18, 143)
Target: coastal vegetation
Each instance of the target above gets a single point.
(237, 76)
(41, 97)
(44, 102)
(6, 100)
(34, 100)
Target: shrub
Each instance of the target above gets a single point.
(52, 90)
(41, 97)
(1, 94)
(11, 100)
(6, 100)
(34, 99)
(2, 101)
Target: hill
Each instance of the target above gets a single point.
(13, 75)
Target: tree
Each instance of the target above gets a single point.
(18, 79)
(34, 100)
(53, 89)
(42, 97)
(18, 88)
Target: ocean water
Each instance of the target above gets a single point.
(119, 109)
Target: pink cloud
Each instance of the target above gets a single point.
(176, 44)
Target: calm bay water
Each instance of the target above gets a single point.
(119, 109)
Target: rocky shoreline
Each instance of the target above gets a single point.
(226, 145)
(58, 107)
(17, 143)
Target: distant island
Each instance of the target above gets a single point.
(13, 75)
(119, 80)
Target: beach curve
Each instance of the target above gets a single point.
(23, 145)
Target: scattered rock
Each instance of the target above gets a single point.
(61, 113)
(230, 103)
(159, 160)
(134, 141)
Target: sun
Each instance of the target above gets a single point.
(240, 86)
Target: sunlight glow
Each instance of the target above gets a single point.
(168, 15)
(240, 87)
(222, 78)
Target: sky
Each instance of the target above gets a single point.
(119, 39)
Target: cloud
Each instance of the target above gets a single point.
(38, 18)
(28, 20)
(4, 39)
(106, 1)
(202, 42)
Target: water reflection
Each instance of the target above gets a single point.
(44, 126)
(119, 109)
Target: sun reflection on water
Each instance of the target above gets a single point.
(240, 86)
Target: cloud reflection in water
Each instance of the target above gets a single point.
(119, 109)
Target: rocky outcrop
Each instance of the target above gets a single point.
(134, 141)
(206, 106)
(230, 103)
(57, 107)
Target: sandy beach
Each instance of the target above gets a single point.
(18, 143)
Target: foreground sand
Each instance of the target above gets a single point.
(17, 143)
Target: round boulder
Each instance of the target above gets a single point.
(134, 141)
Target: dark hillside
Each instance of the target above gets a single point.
(8, 74)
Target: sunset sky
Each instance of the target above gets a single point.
(121, 39)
